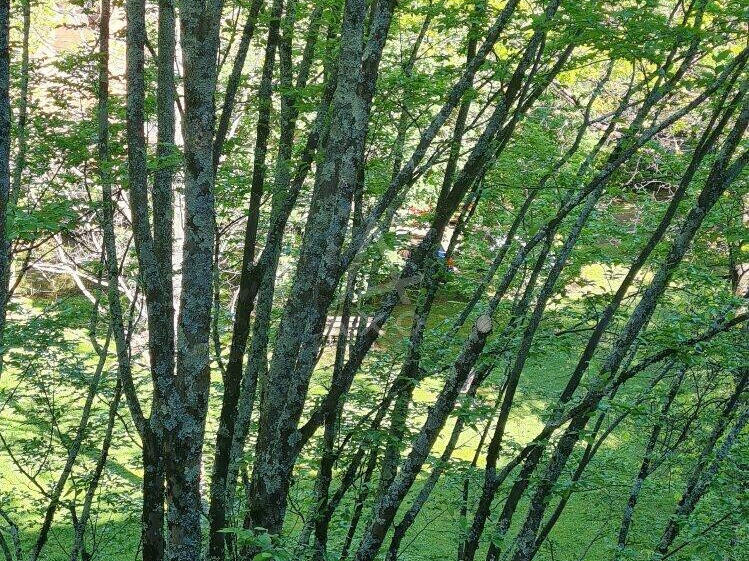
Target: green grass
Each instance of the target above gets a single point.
(585, 531)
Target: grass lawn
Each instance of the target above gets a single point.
(587, 530)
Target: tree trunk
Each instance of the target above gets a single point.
(295, 352)
(645, 466)
(199, 26)
(245, 301)
(4, 165)
(723, 172)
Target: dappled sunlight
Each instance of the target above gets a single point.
(600, 278)
(370, 280)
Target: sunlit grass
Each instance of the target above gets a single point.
(590, 517)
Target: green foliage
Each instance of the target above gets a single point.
(268, 546)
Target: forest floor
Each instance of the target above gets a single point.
(586, 531)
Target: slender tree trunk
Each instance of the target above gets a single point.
(322, 519)
(329, 214)
(285, 192)
(155, 443)
(467, 478)
(409, 517)
(324, 508)
(491, 480)
(4, 165)
(9, 202)
(245, 300)
(166, 153)
(386, 508)
(407, 379)
(645, 466)
(723, 172)
(232, 86)
(72, 454)
(80, 526)
(703, 474)
(359, 503)
(160, 321)
(23, 105)
(409, 374)
(152, 518)
(592, 448)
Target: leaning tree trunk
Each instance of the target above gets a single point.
(703, 474)
(645, 465)
(721, 175)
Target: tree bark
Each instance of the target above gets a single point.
(295, 349)
(4, 165)
(199, 27)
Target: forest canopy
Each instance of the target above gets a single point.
(374, 280)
